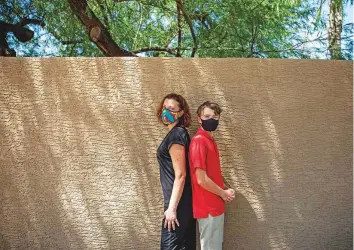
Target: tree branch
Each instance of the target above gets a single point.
(97, 31)
(170, 39)
(64, 42)
(179, 24)
(189, 22)
(139, 27)
(71, 42)
(168, 50)
(102, 6)
(254, 37)
(23, 34)
(199, 17)
(255, 7)
(25, 21)
(72, 49)
(146, 4)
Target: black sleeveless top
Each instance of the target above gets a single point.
(177, 135)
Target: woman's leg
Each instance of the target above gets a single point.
(184, 237)
(191, 235)
(170, 240)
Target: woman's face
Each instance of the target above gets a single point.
(173, 105)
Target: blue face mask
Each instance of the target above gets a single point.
(168, 116)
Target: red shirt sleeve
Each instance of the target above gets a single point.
(197, 153)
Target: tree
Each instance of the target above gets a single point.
(338, 34)
(335, 28)
(21, 33)
(203, 28)
(98, 33)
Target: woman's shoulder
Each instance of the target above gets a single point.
(179, 132)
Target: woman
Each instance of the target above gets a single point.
(178, 226)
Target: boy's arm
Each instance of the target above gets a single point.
(197, 156)
(205, 182)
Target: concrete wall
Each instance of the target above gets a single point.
(78, 139)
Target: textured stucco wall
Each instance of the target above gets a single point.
(78, 139)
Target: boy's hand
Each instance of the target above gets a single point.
(228, 195)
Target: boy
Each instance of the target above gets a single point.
(209, 190)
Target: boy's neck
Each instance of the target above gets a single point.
(209, 132)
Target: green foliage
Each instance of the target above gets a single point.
(224, 28)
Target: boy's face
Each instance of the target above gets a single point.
(208, 113)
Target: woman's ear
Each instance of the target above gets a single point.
(181, 113)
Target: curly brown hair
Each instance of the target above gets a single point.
(186, 119)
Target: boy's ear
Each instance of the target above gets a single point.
(199, 120)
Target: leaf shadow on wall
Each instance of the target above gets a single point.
(32, 179)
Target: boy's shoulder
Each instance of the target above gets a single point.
(198, 138)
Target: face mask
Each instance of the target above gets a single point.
(169, 117)
(210, 124)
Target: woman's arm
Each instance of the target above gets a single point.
(178, 157)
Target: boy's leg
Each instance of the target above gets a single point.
(211, 231)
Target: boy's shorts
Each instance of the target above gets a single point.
(211, 231)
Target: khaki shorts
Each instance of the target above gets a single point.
(211, 231)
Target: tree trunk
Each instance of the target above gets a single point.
(335, 28)
(97, 31)
(21, 33)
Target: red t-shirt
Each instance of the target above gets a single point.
(204, 154)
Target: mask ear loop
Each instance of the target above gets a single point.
(184, 118)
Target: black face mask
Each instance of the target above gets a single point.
(210, 124)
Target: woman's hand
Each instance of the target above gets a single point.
(170, 217)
